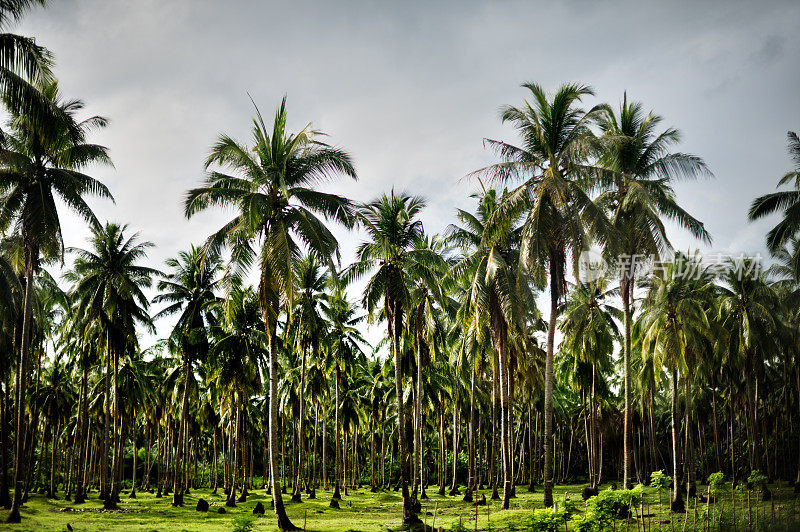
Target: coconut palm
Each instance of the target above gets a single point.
(746, 314)
(235, 356)
(496, 293)
(40, 162)
(344, 347)
(426, 323)
(308, 327)
(396, 262)
(638, 169)
(787, 202)
(674, 317)
(590, 334)
(560, 218)
(109, 281)
(271, 187)
(189, 289)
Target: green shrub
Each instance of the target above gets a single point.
(244, 523)
(715, 481)
(550, 519)
(607, 506)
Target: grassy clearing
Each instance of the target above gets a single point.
(373, 512)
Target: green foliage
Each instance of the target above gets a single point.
(549, 519)
(660, 481)
(244, 523)
(756, 479)
(607, 506)
(715, 481)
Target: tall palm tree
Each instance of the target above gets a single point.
(787, 202)
(746, 313)
(498, 294)
(590, 334)
(271, 187)
(10, 290)
(393, 229)
(109, 282)
(40, 162)
(189, 289)
(429, 308)
(560, 218)
(674, 316)
(638, 168)
(237, 353)
(311, 280)
(344, 347)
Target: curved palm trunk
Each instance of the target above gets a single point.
(277, 499)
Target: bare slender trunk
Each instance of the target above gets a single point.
(548, 383)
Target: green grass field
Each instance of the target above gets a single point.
(373, 512)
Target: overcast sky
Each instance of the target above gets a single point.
(410, 89)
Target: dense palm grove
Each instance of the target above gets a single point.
(265, 380)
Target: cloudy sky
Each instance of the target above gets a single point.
(410, 89)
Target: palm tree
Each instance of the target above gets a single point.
(746, 313)
(25, 66)
(38, 163)
(235, 355)
(10, 290)
(674, 316)
(189, 289)
(785, 201)
(109, 282)
(311, 280)
(429, 308)
(638, 168)
(498, 294)
(270, 187)
(393, 229)
(344, 347)
(561, 220)
(590, 333)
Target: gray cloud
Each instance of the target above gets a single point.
(410, 89)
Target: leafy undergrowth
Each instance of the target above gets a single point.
(364, 511)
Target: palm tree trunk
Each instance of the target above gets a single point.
(625, 292)
(337, 451)
(20, 388)
(324, 455)
(234, 453)
(548, 383)
(471, 441)
(277, 499)
(395, 319)
(300, 447)
(372, 449)
(677, 499)
(135, 454)
(454, 484)
(177, 489)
